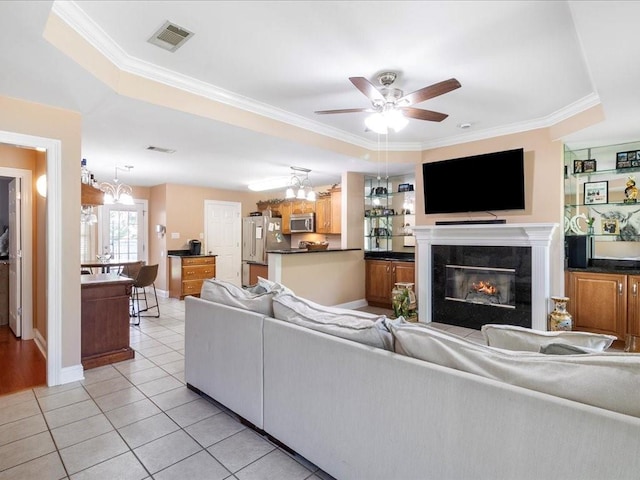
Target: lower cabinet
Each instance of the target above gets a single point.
(605, 303)
(188, 273)
(381, 276)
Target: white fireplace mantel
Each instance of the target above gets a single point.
(538, 236)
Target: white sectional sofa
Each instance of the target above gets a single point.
(363, 413)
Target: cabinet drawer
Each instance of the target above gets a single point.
(198, 272)
(199, 261)
(191, 287)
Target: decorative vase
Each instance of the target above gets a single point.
(403, 301)
(559, 318)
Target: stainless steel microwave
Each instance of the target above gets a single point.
(302, 222)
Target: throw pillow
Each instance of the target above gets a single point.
(360, 327)
(270, 286)
(512, 337)
(562, 349)
(605, 380)
(229, 294)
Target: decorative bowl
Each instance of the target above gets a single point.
(317, 246)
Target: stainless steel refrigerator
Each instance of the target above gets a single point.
(260, 234)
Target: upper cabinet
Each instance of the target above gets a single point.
(90, 196)
(601, 198)
(389, 214)
(329, 212)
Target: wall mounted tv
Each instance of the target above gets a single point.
(480, 183)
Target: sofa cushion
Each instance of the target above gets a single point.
(512, 337)
(229, 294)
(563, 349)
(360, 327)
(606, 380)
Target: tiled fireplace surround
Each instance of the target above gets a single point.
(536, 237)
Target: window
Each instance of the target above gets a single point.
(124, 230)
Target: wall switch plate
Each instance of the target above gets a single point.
(201, 236)
(175, 235)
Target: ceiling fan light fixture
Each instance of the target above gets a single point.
(396, 120)
(376, 123)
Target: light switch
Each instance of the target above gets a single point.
(175, 235)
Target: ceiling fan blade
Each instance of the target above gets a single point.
(344, 110)
(423, 114)
(429, 92)
(366, 87)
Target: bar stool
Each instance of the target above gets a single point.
(146, 277)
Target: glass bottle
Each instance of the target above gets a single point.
(84, 172)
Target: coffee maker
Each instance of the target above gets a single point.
(194, 247)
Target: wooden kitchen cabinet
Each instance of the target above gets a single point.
(381, 276)
(329, 213)
(187, 273)
(633, 304)
(90, 196)
(257, 270)
(601, 302)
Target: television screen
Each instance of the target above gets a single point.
(481, 183)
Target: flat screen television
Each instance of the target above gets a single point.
(480, 183)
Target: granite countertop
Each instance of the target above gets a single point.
(304, 250)
(397, 256)
(103, 278)
(186, 253)
(604, 265)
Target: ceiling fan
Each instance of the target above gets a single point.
(390, 106)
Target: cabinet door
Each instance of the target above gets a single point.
(285, 212)
(323, 215)
(378, 283)
(404, 272)
(599, 302)
(633, 305)
(336, 212)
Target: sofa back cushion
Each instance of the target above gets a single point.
(512, 337)
(606, 380)
(227, 293)
(360, 327)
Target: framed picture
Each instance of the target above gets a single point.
(596, 192)
(622, 160)
(610, 226)
(588, 166)
(635, 162)
(577, 166)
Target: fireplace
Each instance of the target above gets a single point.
(473, 285)
(515, 269)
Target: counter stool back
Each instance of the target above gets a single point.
(145, 278)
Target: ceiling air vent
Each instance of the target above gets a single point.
(160, 149)
(170, 37)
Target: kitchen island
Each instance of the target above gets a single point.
(330, 277)
(105, 319)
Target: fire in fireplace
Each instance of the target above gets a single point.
(489, 286)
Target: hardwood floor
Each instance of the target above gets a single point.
(21, 363)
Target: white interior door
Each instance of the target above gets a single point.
(15, 258)
(223, 230)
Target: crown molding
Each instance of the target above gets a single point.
(70, 12)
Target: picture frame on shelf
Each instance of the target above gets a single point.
(634, 158)
(596, 192)
(610, 226)
(577, 166)
(589, 166)
(622, 160)
(405, 187)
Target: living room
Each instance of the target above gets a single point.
(63, 130)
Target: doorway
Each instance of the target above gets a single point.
(23, 364)
(55, 374)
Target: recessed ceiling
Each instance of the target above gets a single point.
(521, 64)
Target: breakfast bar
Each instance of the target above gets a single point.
(312, 273)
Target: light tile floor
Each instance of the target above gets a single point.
(137, 420)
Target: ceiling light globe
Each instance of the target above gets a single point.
(376, 123)
(125, 199)
(396, 120)
(311, 196)
(301, 194)
(289, 193)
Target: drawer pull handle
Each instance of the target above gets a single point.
(620, 288)
(635, 289)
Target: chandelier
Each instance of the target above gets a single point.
(117, 192)
(300, 185)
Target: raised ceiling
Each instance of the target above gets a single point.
(522, 65)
